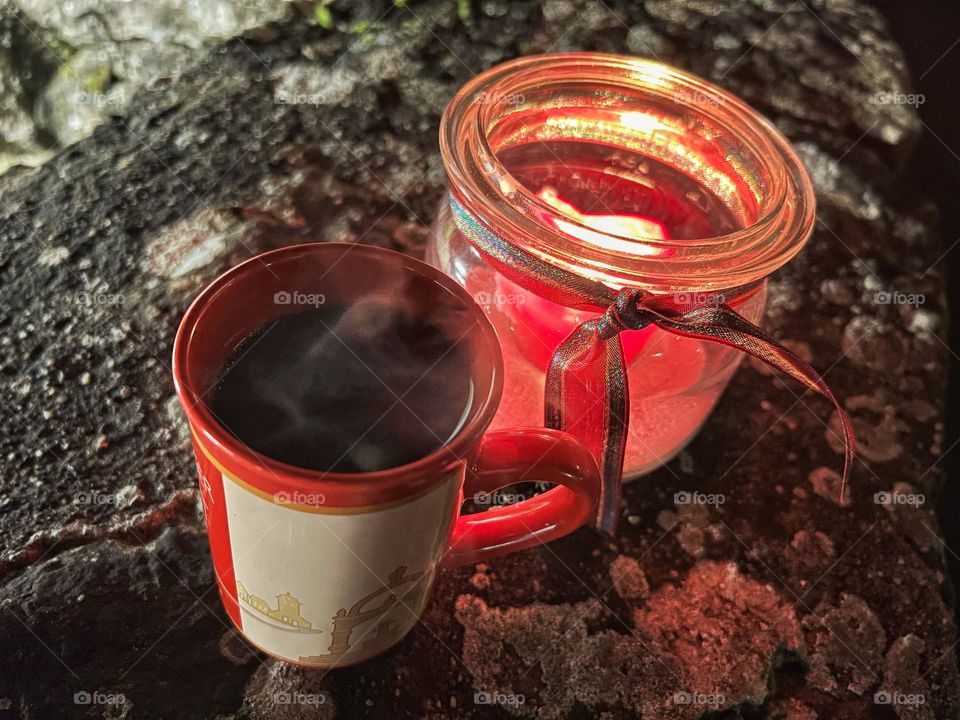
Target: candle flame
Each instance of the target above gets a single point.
(628, 229)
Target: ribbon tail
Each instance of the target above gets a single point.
(586, 395)
(724, 325)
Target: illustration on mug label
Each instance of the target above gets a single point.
(287, 613)
(345, 621)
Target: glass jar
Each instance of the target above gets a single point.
(634, 174)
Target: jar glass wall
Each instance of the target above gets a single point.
(636, 175)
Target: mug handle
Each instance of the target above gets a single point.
(525, 455)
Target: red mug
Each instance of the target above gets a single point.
(328, 569)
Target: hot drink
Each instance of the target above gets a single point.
(348, 388)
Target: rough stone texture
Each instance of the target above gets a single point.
(28, 60)
(66, 66)
(779, 599)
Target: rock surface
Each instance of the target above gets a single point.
(776, 603)
(66, 66)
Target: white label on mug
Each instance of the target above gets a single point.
(323, 585)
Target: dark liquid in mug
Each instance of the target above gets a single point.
(348, 389)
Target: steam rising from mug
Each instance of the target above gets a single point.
(351, 384)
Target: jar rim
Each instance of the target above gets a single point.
(478, 179)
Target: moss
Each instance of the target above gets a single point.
(464, 11)
(322, 14)
(98, 80)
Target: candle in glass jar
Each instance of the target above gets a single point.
(634, 175)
